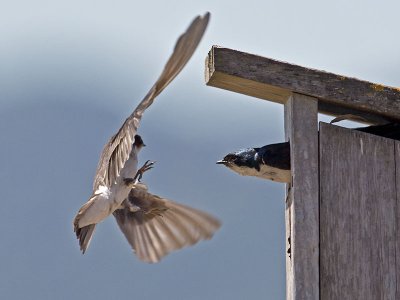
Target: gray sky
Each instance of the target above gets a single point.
(71, 72)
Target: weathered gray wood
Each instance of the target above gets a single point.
(397, 157)
(357, 215)
(302, 267)
(274, 80)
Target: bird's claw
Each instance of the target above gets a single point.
(147, 166)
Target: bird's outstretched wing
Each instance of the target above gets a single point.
(117, 150)
(161, 226)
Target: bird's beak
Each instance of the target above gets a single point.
(221, 162)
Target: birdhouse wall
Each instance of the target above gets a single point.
(359, 215)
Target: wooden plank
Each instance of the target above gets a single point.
(358, 215)
(274, 80)
(302, 266)
(397, 157)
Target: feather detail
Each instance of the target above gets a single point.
(161, 225)
(118, 150)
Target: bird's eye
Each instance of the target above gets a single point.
(230, 157)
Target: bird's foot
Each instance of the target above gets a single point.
(127, 205)
(132, 207)
(147, 166)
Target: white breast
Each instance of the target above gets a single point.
(265, 172)
(131, 165)
(275, 174)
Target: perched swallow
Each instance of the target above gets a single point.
(153, 226)
(273, 161)
(269, 162)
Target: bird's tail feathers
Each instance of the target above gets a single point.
(84, 235)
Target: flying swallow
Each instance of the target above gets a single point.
(153, 226)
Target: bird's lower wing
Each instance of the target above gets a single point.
(162, 226)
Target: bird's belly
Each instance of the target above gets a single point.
(266, 172)
(275, 174)
(130, 167)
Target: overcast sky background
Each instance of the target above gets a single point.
(72, 71)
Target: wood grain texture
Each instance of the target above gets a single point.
(397, 157)
(274, 80)
(357, 215)
(302, 266)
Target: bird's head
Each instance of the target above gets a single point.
(228, 159)
(239, 160)
(138, 143)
